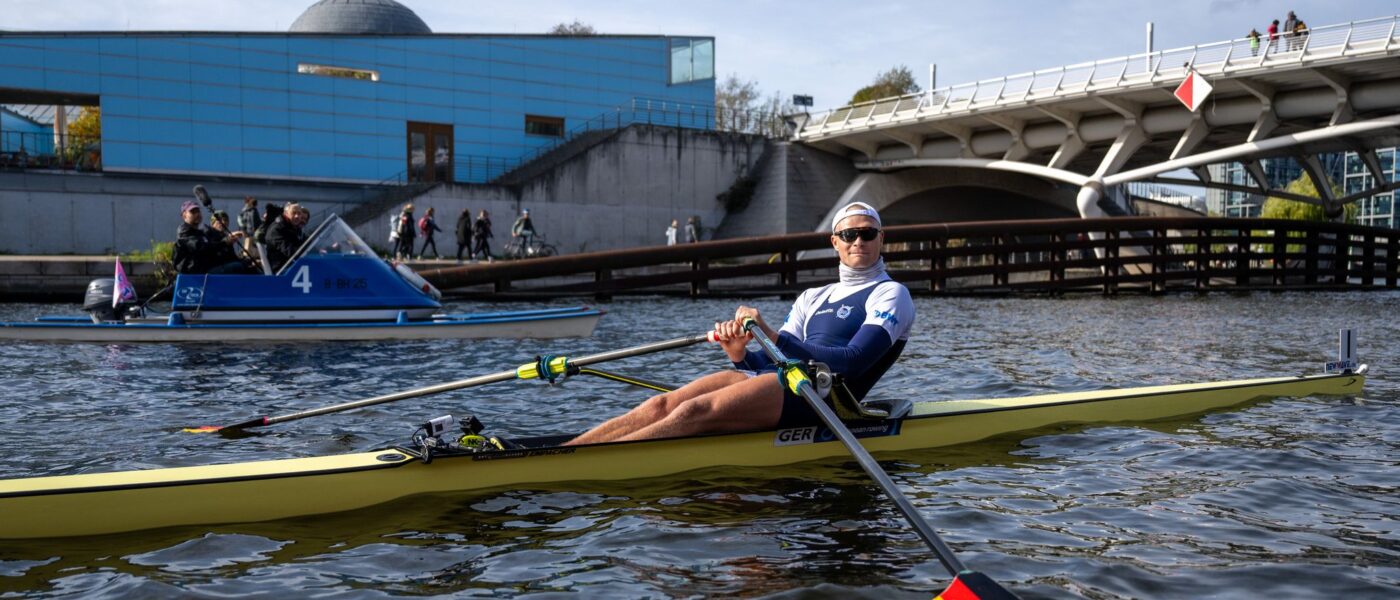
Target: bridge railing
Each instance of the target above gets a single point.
(1150, 69)
(1110, 255)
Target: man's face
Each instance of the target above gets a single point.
(192, 216)
(859, 253)
(301, 218)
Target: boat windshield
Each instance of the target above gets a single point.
(333, 236)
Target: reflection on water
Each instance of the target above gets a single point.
(1294, 497)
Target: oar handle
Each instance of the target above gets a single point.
(800, 384)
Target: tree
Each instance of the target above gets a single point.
(1281, 208)
(740, 107)
(83, 145)
(897, 81)
(577, 28)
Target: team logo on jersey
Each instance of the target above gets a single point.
(845, 311)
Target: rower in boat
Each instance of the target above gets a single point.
(856, 328)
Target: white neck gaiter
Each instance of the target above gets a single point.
(871, 273)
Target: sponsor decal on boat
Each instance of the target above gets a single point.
(522, 453)
(819, 433)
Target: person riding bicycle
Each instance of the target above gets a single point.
(524, 228)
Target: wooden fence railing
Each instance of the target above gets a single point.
(1147, 254)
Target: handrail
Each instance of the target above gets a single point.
(1160, 251)
(1154, 68)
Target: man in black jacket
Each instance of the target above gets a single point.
(285, 236)
(197, 249)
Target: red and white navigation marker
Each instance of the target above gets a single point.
(1193, 91)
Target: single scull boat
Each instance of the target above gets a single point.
(99, 503)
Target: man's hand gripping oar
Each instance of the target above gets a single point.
(546, 368)
(967, 584)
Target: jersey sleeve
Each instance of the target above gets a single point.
(891, 308)
(796, 321)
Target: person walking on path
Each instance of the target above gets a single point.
(464, 234)
(428, 226)
(404, 249)
(482, 232)
(671, 232)
(1289, 25)
(1253, 42)
(692, 230)
(1273, 36)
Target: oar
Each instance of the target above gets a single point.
(967, 584)
(553, 365)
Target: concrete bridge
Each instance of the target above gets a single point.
(1087, 128)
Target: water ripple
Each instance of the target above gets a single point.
(1295, 497)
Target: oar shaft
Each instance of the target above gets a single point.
(472, 382)
(867, 462)
(414, 393)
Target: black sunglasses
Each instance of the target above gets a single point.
(865, 233)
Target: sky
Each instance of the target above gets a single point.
(825, 49)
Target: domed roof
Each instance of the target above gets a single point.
(359, 16)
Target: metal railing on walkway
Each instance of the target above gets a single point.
(41, 150)
(1112, 255)
(1373, 36)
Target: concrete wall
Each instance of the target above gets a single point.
(797, 186)
(619, 194)
(70, 213)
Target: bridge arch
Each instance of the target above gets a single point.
(961, 190)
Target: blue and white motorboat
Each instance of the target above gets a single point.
(333, 288)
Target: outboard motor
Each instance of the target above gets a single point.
(97, 302)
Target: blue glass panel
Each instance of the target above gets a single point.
(266, 138)
(271, 80)
(169, 158)
(355, 124)
(120, 153)
(266, 163)
(119, 65)
(389, 147)
(353, 144)
(267, 117)
(345, 105)
(311, 102)
(217, 160)
(22, 77)
(356, 167)
(216, 134)
(215, 74)
(166, 132)
(314, 141)
(204, 112)
(120, 128)
(312, 165)
(312, 120)
(165, 90)
(259, 99)
(82, 83)
(164, 110)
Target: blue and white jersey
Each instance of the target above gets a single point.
(856, 329)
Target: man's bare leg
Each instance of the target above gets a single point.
(756, 403)
(657, 408)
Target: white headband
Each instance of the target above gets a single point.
(855, 209)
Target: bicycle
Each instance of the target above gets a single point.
(537, 248)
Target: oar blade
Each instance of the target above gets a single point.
(972, 585)
(226, 429)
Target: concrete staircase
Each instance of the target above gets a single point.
(575, 146)
(385, 201)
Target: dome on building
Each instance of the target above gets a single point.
(359, 16)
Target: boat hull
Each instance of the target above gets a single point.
(554, 323)
(100, 503)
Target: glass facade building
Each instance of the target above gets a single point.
(340, 107)
(1378, 210)
(1279, 172)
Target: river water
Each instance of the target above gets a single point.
(1294, 497)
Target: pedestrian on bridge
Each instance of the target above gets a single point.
(1253, 42)
(1290, 24)
(1273, 36)
(671, 232)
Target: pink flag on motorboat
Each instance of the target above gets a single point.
(123, 291)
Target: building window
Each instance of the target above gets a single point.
(345, 72)
(692, 59)
(550, 126)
